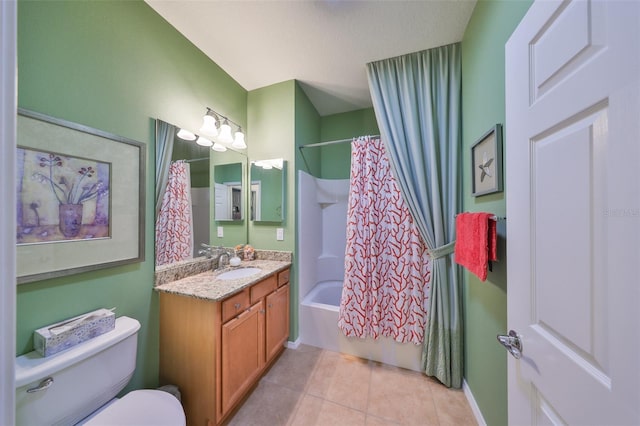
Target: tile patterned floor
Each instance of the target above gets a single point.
(314, 387)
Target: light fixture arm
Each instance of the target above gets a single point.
(216, 126)
(221, 118)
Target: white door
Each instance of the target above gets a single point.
(573, 209)
(8, 117)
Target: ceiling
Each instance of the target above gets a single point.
(325, 45)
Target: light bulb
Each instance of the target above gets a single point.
(219, 147)
(225, 133)
(238, 141)
(186, 135)
(204, 141)
(209, 126)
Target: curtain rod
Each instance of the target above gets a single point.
(313, 145)
(196, 159)
(494, 217)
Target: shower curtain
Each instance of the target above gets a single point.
(165, 134)
(387, 270)
(417, 102)
(174, 224)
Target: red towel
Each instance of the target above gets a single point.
(476, 239)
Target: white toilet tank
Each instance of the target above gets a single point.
(77, 381)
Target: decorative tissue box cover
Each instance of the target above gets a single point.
(96, 323)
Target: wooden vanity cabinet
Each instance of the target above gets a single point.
(242, 354)
(215, 352)
(277, 321)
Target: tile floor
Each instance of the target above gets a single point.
(314, 387)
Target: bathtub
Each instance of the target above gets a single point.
(319, 327)
(325, 295)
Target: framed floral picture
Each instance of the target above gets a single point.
(486, 163)
(80, 198)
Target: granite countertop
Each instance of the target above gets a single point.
(205, 285)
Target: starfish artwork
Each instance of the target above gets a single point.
(485, 166)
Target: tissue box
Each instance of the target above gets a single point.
(63, 335)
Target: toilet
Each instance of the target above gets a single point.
(79, 386)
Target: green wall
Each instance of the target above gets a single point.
(199, 170)
(271, 126)
(336, 159)
(483, 105)
(114, 66)
(333, 161)
(308, 128)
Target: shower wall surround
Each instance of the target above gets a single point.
(322, 229)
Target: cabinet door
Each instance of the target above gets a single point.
(242, 354)
(277, 327)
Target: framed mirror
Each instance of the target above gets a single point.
(267, 195)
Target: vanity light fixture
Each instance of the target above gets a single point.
(218, 128)
(225, 133)
(276, 163)
(209, 124)
(186, 135)
(219, 147)
(238, 140)
(204, 141)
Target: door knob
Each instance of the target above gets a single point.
(512, 343)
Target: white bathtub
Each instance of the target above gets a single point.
(319, 327)
(325, 295)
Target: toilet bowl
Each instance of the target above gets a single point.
(139, 408)
(80, 385)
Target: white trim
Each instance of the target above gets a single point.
(8, 112)
(472, 403)
(294, 345)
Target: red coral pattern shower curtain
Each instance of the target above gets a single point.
(387, 269)
(174, 224)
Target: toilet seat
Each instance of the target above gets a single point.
(141, 407)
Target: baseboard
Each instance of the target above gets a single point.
(293, 345)
(473, 404)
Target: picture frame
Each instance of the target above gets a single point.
(61, 163)
(486, 163)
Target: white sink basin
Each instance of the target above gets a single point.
(234, 274)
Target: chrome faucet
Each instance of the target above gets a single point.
(205, 250)
(217, 253)
(221, 255)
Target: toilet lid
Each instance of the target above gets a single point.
(142, 407)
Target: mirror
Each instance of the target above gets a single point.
(229, 200)
(267, 190)
(198, 158)
(204, 164)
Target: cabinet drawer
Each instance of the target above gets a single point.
(235, 305)
(263, 288)
(283, 277)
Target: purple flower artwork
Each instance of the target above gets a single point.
(61, 197)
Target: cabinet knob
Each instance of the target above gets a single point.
(237, 306)
(262, 311)
(270, 305)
